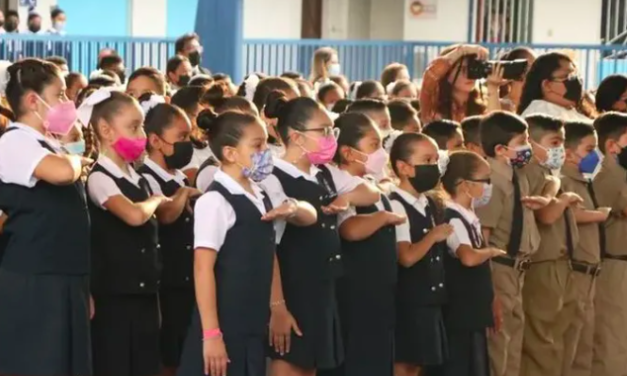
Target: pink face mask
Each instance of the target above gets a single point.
(375, 164)
(327, 146)
(130, 149)
(60, 118)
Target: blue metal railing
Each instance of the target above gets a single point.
(360, 60)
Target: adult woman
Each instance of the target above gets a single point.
(510, 93)
(325, 64)
(394, 72)
(612, 94)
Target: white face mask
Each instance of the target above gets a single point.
(334, 69)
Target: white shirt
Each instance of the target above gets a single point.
(101, 187)
(214, 216)
(352, 211)
(540, 106)
(205, 177)
(21, 153)
(344, 182)
(199, 156)
(403, 233)
(178, 176)
(460, 235)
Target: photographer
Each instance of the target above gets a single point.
(448, 93)
(511, 93)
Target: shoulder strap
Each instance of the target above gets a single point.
(386, 203)
(144, 169)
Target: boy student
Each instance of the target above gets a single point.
(543, 298)
(472, 138)
(508, 223)
(582, 158)
(610, 187)
(446, 133)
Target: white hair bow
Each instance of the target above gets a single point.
(152, 102)
(4, 76)
(87, 107)
(443, 160)
(389, 140)
(250, 86)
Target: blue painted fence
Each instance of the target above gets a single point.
(360, 60)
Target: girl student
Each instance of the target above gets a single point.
(44, 277)
(367, 291)
(125, 249)
(169, 149)
(236, 272)
(468, 314)
(421, 292)
(309, 257)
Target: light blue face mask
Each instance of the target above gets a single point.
(334, 69)
(485, 197)
(76, 148)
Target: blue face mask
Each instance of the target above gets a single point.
(334, 69)
(262, 166)
(589, 163)
(485, 197)
(76, 148)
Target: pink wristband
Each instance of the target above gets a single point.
(211, 333)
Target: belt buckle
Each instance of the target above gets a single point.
(523, 265)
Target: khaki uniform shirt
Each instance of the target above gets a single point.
(610, 187)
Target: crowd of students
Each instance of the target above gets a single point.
(175, 223)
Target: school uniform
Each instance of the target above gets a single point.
(420, 337)
(544, 291)
(44, 275)
(513, 229)
(176, 293)
(468, 313)
(310, 260)
(202, 152)
(580, 287)
(126, 269)
(228, 221)
(206, 173)
(610, 326)
(366, 298)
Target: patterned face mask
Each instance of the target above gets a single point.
(523, 156)
(262, 166)
(556, 157)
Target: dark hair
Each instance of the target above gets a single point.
(340, 81)
(56, 12)
(153, 74)
(292, 75)
(305, 87)
(180, 43)
(470, 129)
(106, 110)
(221, 77)
(56, 60)
(520, 52)
(610, 126)
(462, 165)
(188, 98)
(353, 127)
(576, 131)
(32, 16)
(236, 104)
(403, 148)
(540, 124)
(225, 129)
(201, 80)
(174, 63)
(28, 75)
(12, 13)
(366, 105)
(499, 128)
(542, 69)
(215, 95)
(441, 131)
(415, 103)
(72, 77)
(268, 85)
(400, 86)
(390, 73)
(104, 80)
(326, 89)
(610, 90)
(341, 106)
(160, 117)
(110, 61)
(292, 114)
(367, 88)
(401, 112)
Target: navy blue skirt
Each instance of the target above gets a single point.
(420, 336)
(176, 312)
(44, 325)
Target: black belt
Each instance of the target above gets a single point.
(516, 263)
(588, 269)
(613, 257)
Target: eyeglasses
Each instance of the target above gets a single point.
(326, 131)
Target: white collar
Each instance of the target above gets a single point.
(178, 176)
(116, 171)
(469, 215)
(235, 188)
(38, 136)
(419, 203)
(545, 107)
(294, 172)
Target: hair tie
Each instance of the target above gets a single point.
(388, 142)
(5, 76)
(250, 86)
(87, 107)
(443, 161)
(151, 103)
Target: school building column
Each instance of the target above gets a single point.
(219, 23)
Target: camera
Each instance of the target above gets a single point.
(512, 69)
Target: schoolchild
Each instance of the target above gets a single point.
(126, 262)
(309, 257)
(446, 133)
(44, 277)
(169, 149)
(420, 337)
(471, 133)
(235, 267)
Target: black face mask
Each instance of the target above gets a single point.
(10, 26)
(574, 89)
(194, 58)
(184, 80)
(427, 177)
(182, 155)
(34, 28)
